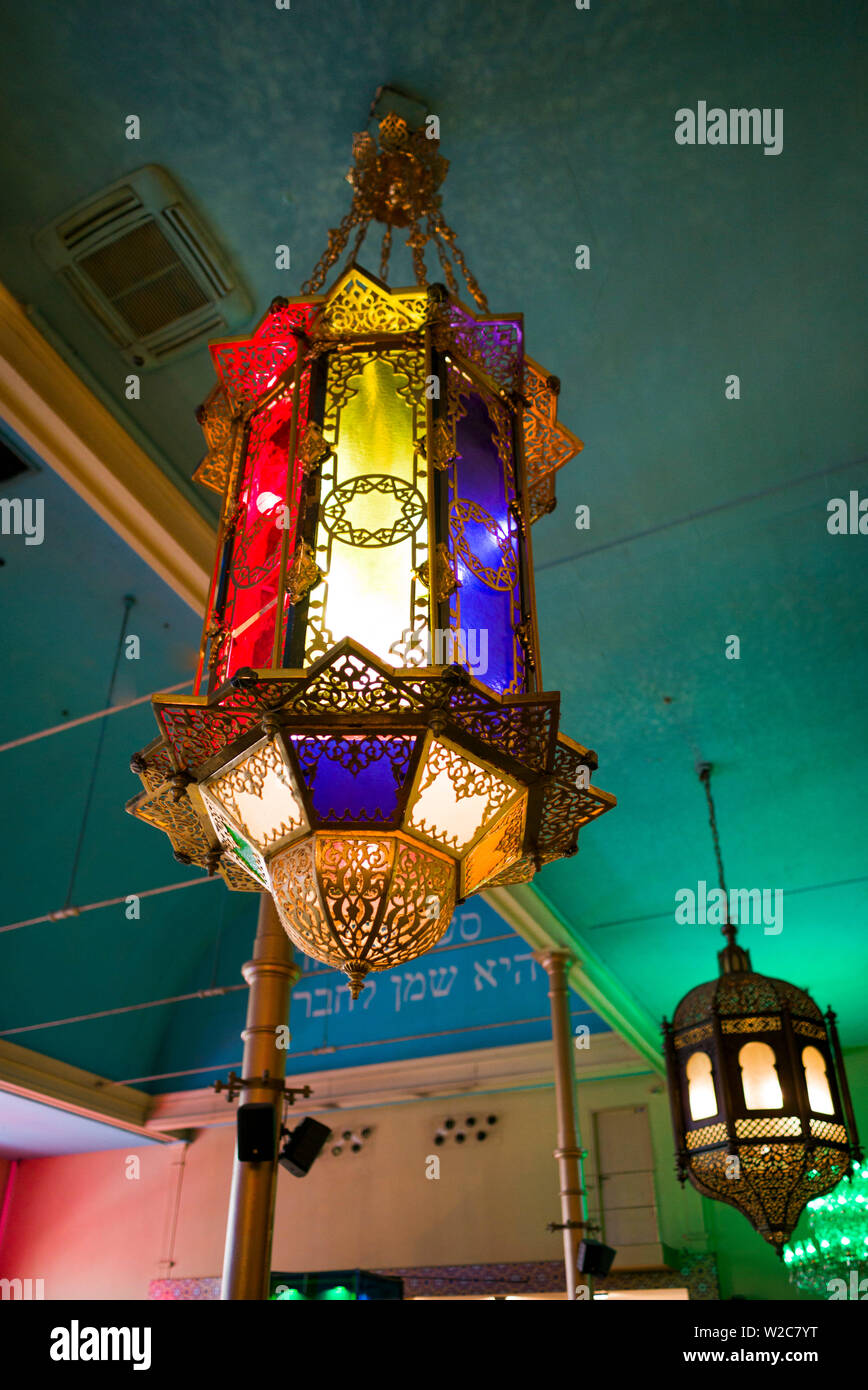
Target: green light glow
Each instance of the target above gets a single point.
(839, 1235)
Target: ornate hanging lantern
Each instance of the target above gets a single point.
(369, 740)
(760, 1105)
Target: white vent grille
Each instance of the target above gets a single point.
(97, 216)
(141, 263)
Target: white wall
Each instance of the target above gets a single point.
(89, 1231)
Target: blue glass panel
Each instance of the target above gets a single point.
(356, 777)
(484, 546)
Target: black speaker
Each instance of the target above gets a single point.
(595, 1258)
(303, 1146)
(256, 1132)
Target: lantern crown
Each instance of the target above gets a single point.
(741, 993)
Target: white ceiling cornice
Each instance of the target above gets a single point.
(489, 1070)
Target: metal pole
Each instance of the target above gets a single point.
(574, 1206)
(270, 975)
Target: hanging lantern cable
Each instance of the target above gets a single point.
(129, 600)
(727, 929)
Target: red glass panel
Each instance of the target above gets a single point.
(261, 523)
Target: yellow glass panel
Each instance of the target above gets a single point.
(373, 524)
(700, 1086)
(498, 848)
(759, 1077)
(259, 795)
(819, 1094)
(456, 797)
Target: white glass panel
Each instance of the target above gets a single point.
(259, 795)
(762, 1089)
(819, 1094)
(700, 1086)
(456, 797)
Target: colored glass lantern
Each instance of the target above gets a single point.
(369, 740)
(761, 1109)
(832, 1262)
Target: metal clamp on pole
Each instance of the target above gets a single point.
(235, 1084)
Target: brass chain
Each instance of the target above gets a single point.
(437, 230)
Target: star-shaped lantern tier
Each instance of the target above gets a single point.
(367, 799)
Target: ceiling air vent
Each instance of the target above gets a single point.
(140, 261)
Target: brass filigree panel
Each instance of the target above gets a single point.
(358, 305)
(175, 815)
(354, 876)
(216, 420)
(775, 1182)
(829, 1133)
(296, 896)
(694, 1035)
(768, 1127)
(762, 1023)
(809, 1030)
(419, 907)
(494, 345)
(701, 1138)
(568, 804)
(548, 445)
(362, 903)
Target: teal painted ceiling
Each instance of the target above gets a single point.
(708, 516)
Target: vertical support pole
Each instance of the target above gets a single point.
(270, 974)
(574, 1206)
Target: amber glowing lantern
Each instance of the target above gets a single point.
(369, 740)
(760, 1104)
